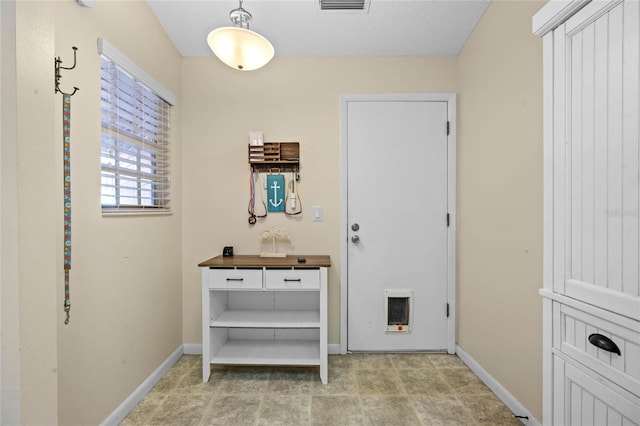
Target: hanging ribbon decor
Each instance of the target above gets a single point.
(66, 160)
(66, 165)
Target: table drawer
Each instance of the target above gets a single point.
(291, 279)
(235, 278)
(576, 327)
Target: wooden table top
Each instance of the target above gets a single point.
(255, 261)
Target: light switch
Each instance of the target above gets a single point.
(317, 213)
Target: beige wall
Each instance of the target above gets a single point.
(500, 199)
(291, 99)
(37, 267)
(126, 316)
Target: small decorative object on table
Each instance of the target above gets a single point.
(273, 235)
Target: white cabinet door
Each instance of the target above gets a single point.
(592, 211)
(596, 151)
(581, 399)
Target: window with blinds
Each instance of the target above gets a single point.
(135, 154)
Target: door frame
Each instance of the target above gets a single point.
(450, 98)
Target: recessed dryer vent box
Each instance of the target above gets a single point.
(398, 306)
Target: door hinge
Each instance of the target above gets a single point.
(447, 310)
(448, 220)
(447, 128)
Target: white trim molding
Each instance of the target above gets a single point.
(123, 410)
(554, 13)
(334, 349)
(192, 348)
(503, 394)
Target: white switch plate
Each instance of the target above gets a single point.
(317, 213)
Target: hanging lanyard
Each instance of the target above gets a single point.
(253, 176)
(66, 160)
(66, 157)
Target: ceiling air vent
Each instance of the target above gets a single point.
(359, 5)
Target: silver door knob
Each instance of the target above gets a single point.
(355, 239)
(355, 227)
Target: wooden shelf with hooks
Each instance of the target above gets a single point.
(275, 155)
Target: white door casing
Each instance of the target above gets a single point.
(399, 195)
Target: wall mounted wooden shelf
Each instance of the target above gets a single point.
(284, 156)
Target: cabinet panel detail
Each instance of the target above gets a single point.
(623, 369)
(292, 279)
(235, 278)
(591, 401)
(268, 352)
(268, 319)
(602, 168)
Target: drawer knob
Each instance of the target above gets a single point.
(604, 343)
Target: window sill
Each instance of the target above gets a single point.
(135, 212)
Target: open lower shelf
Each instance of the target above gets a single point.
(268, 352)
(244, 318)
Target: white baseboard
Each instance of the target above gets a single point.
(333, 349)
(120, 413)
(192, 348)
(509, 400)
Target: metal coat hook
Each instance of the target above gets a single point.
(58, 65)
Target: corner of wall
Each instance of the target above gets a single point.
(500, 199)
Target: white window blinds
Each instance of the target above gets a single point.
(135, 154)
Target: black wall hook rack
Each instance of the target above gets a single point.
(58, 66)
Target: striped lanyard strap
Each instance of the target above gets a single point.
(66, 157)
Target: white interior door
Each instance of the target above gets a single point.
(397, 237)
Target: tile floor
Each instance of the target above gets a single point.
(363, 389)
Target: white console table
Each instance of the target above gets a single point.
(264, 311)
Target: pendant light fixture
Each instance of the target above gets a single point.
(238, 46)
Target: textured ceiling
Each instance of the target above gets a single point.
(299, 28)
